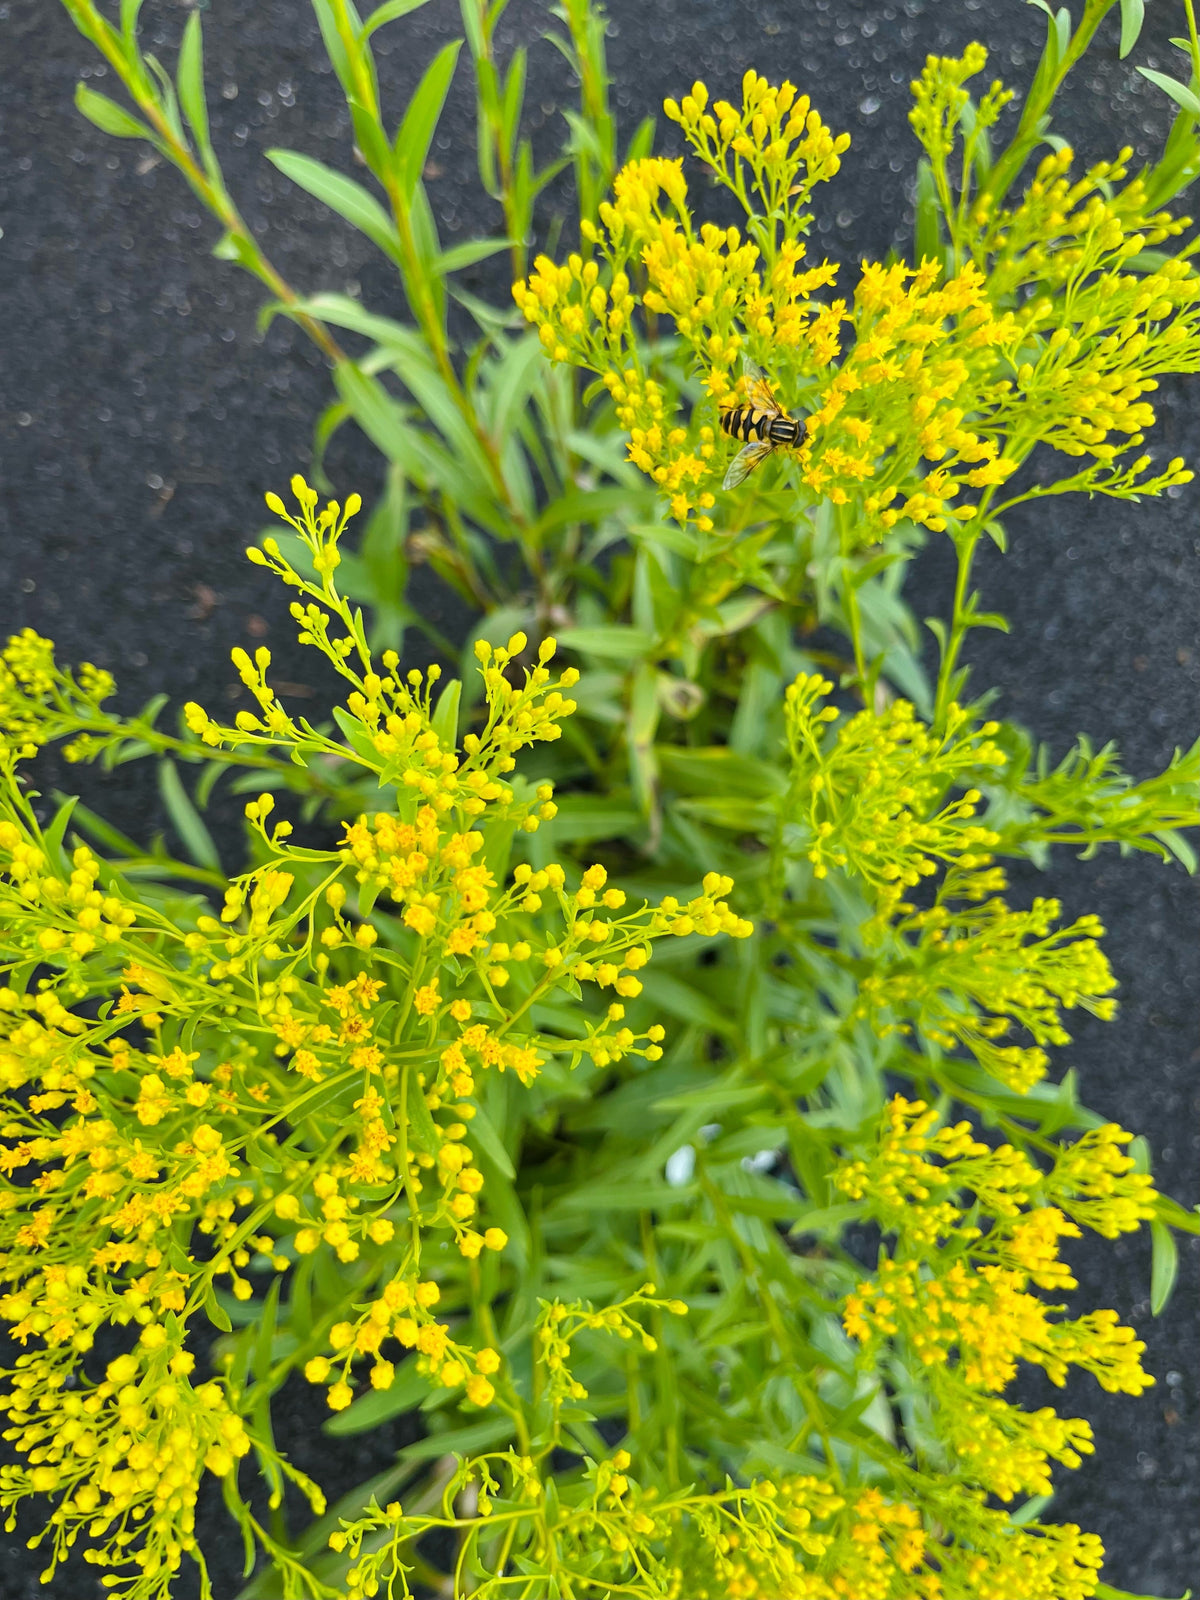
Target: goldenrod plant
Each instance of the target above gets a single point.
(565, 1032)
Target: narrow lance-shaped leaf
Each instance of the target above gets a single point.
(1183, 97)
(1164, 1267)
(421, 118)
(466, 255)
(341, 194)
(108, 116)
(391, 12)
(1133, 14)
(190, 77)
(514, 99)
(197, 840)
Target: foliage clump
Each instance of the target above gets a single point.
(566, 1026)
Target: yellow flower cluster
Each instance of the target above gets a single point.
(958, 1296)
(872, 796)
(1096, 1183)
(973, 972)
(403, 1312)
(989, 1320)
(799, 1536)
(871, 799)
(939, 98)
(924, 356)
(122, 1454)
(904, 1183)
(1091, 1180)
(775, 148)
(293, 1078)
(75, 919)
(38, 698)
(946, 382)
(711, 281)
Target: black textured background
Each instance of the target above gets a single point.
(142, 417)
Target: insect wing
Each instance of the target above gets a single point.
(758, 390)
(745, 462)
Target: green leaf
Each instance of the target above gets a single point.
(370, 138)
(391, 12)
(230, 248)
(168, 100)
(335, 48)
(1133, 13)
(341, 194)
(580, 820)
(513, 380)
(197, 840)
(718, 1097)
(466, 472)
(672, 994)
(266, 1331)
(828, 1220)
(1164, 1268)
(445, 719)
(1183, 96)
(721, 771)
(473, 14)
(642, 142)
(216, 1313)
(416, 131)
(472, 1439)
(587, 505)
(421, 1126)
(927, 230)
(1105, 1591)
(483, 1133)
(391, 335)
(108, 116)
(409, 1388)
(645, 711)
(1031, 1510)
(299, 1309)
(938, 629)
(1179, 848)
(616, 643)
(629, 1196)
(316, 1099)
(514, 99)
(129, 19)
(357, 737)
(100, 830)
(988, 619)
(466, 255)
(262, 1157)
(54, 835)
(189, 76)
(1171, 1212)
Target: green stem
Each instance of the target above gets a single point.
(515, 224)
(854, 618)
(417, 278)
(965, 547)
(1028, 132)
(1194, 39)
(592, 180)
(212, 193)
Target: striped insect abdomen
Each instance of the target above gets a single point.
(746, 422)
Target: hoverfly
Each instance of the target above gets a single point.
(762, 421)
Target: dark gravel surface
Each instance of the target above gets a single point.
(142, 417)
